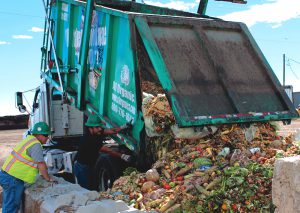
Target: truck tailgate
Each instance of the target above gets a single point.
(212, 71)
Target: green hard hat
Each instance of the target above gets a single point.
(93, 120)
(40, 128)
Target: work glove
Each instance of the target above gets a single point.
(127, 126)
(126, 158)
(52, 181)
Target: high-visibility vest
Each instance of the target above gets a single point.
(21, 165)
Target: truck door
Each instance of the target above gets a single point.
(40, 106)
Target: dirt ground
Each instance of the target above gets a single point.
(8, 139)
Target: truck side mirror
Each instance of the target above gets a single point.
(19, 100)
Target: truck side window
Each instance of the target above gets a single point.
(36, 100)
(56, 95)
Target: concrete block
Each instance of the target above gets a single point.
(80, 199)
(51, 196)
(94, 207)
(42, 197)
(131, 211)
(92, 195)
(71, 200)
(117, 205)
(65, 199)
(104, 206)
(286, 185)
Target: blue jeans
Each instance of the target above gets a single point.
(13, 189)
(83, 174)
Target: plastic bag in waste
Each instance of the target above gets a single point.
(250, 133)
(154, 195)
(297, 135)
(224, 152)
(240, 157)
(192, 133)
(254, 150)
(150, 127)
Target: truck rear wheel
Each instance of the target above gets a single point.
(107, 171)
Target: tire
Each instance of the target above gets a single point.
(107, 170)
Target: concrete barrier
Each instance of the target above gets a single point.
(286, 185)
(43, 197)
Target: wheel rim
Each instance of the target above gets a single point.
(104, 180)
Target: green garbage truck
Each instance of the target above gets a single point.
(97, 57)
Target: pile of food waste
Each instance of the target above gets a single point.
(226, 168)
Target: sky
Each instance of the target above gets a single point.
(274, 24)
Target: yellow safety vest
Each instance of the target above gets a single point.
(19, 164)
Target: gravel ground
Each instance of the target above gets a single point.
(8, 139)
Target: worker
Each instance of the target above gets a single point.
(88, 152)
(22, 166)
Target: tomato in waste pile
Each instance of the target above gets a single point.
(142, 180)
(179, 178)
(167, 186)
(183, 187)
(234, 207)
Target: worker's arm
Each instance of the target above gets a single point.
(117, 129)
(112, 131)
(44, 171)
(113, 153)
(109, 151)
(36, 152)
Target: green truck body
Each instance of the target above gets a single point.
(211, 70)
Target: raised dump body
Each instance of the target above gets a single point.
(211, 70)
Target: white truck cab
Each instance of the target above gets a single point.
(64, 120)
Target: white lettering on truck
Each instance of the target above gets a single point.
(125, 75)
(77, 42)
(64, 13)
(123, 102)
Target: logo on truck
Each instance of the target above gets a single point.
(125, 75)
(123, 99)
(78, 36)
